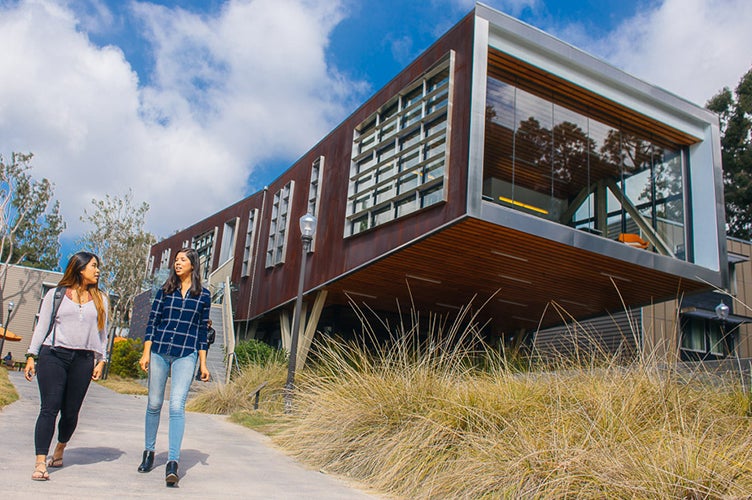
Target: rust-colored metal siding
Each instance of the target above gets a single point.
(336, 255)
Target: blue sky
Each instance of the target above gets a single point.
(195, 104)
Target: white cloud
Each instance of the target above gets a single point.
(692, 48)
(228, 91)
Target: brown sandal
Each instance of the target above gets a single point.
(57, 461)
(40, 473)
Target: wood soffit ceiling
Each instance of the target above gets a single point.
(520, 275)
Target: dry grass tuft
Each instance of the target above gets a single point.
(423, 419)
(234, 397)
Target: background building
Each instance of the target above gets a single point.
(25, 287)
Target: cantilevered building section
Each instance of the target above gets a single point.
(502, 162)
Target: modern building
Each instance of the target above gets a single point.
(25, 287)
(502, 167)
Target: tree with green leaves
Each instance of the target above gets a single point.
(119, 238)
(735, 114)
(30, 222)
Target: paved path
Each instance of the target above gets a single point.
(219, 459)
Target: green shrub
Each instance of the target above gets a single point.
(258, 353)
(124, 358)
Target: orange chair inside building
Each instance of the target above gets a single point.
(633, 240)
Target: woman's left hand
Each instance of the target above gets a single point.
(97, 373)
(205, 375)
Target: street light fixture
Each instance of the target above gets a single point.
(5, 327)
(307, 230)
(722, 311)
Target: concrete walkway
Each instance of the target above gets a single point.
(219, 459)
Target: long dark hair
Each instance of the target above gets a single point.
(72, 279)
(173, 282)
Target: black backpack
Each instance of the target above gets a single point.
(59, 293)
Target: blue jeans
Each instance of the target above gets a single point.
(181, 371)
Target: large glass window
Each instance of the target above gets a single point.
(400, 153)
(549, 155)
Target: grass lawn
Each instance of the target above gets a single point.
(8, 393)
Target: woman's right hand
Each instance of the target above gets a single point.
(145, 357)
(29, 369)
(144, 361)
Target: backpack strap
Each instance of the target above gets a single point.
(59, 293)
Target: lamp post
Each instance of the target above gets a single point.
(5, 327)
(307, 230)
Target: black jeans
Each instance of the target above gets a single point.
(62, 386)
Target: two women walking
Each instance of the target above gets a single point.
(68, 350)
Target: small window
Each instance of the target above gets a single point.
(249, 242)
(360, 224)
(382, 215)
(406, 206)
(227, 250)
(412, 97)
(204, 245)
(431, 196)
(384, 193)
(164, 259)
(705, 339)
(278, 226)
(314, 192)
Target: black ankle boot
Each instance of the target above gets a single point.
(171, 473)
(147, 463)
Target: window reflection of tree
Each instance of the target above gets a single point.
(563, 153)
(567, 155)
(571, 148)
(660, 196)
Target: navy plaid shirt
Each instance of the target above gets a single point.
(177, 326)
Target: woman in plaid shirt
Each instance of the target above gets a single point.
(175, 337)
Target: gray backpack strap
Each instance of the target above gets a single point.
(59, 293)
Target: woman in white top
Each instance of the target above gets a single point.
(71, 353)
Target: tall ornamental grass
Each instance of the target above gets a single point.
(235, 396)
(439, 415)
